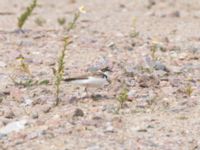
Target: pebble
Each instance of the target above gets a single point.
(49, 61)
(13, 126)
(160, 73)
(46, 109)
(151, 3)
(175, 82)
(175, 14)
(146, 62)
(36, 134)
(111, 45)
(148, 81)
(130, 48)
(27, 102)
(72, 99)
(130, 70)
(93, 147)
(176, 69)
(109, 128)
(183, 55)
(109, 108)
(132, 94)
(2, 136)
(159, 66)
(9, 114)
(35, 115)
(78, 113)
(25, 43)
(130, 82)
(2, 64)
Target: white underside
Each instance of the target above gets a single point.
(91, 82)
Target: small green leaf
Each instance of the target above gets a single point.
(24, 16)
(44, 82)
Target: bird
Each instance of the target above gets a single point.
(91, 80)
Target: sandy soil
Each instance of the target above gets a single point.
(162, 111)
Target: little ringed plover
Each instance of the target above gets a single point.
(93, 80)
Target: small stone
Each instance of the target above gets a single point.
(72, 99)
(151, 3)
(142, 104)
(130, 70)
(97, 118)
(119, 34)
(9, 114)
(26, 43)
(46, 109)
(2, 136)
(111, 45)
(2, 64)
(49, 62)
(132, 94)
(5, 121)
(193, 49)
(36, 134)
(97, 97)
(175, 14)
(94, 147)
(130, 82)
(159, 66)
(146, 81)
(175, 82)
(32, 136)
(78, 113)
(35, 115)
(27, 102)
(109, 128)
(122, 5)
(142, 130)
(109, 108)
(13, 126)
(183, 55)
(129, 48)
(148, 61)
(176, 69)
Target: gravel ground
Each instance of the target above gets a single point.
(152, 48)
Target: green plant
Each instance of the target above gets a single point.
(72, 25)
(154, 48)
(134, 33)
(61, 21)
(182, 117)
(122, 97)
(40, 21)
(59, 71)
(189, 90)
(24, 67)
(28, 82)
(44, 82)
(24, 16)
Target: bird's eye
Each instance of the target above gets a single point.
(105, 76)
